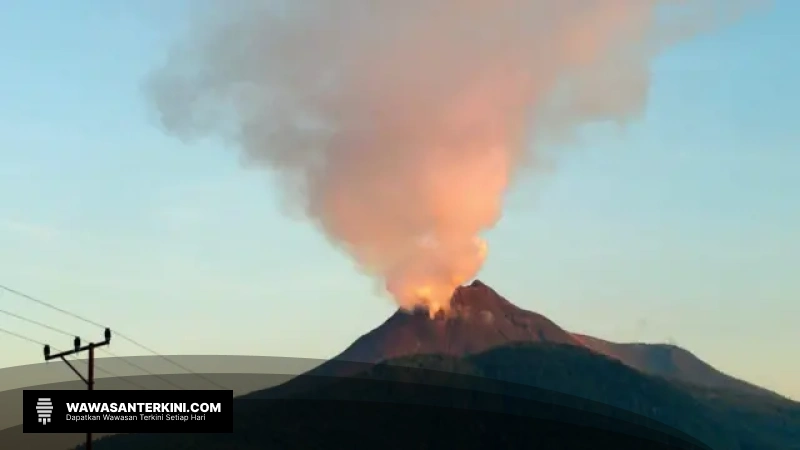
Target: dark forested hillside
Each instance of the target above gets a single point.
(561, 396)
(670, 361)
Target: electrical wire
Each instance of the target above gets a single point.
(99, 369)
(116, 333)
(132, 364)
(68, 334)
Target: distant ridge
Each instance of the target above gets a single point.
(670, 361)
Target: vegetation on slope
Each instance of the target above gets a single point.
(328, 414)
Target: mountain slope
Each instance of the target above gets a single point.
(671, 362)
(751, 422)
(365, 411)
(488, 338)
(482, 319)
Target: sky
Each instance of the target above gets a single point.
(682, 227)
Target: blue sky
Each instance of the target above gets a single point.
(683, 227)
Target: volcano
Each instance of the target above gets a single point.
(480, 319)
(355, 398)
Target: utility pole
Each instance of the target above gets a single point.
(89, 379)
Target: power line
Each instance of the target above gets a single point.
(48, 305)
(116, 333)
(68, 334)
(132, 364)
(175, 363)
(31, 321)
(89, 378)
(24, 338)
(34, 341)
(114, 375)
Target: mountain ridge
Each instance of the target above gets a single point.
(672, 362)
(480, 318)
(485, 336)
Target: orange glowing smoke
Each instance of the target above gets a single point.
(399, 125)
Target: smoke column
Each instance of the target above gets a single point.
(398, 125)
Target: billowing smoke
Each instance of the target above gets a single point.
(398, 125)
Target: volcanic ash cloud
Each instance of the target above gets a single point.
(397, 126)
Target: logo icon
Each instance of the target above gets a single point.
(44, 409)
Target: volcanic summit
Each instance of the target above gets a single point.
(479, 318)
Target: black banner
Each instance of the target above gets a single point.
(136, 411)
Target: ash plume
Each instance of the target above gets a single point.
(397, 126)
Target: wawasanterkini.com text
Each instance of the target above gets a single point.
(140, 411)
